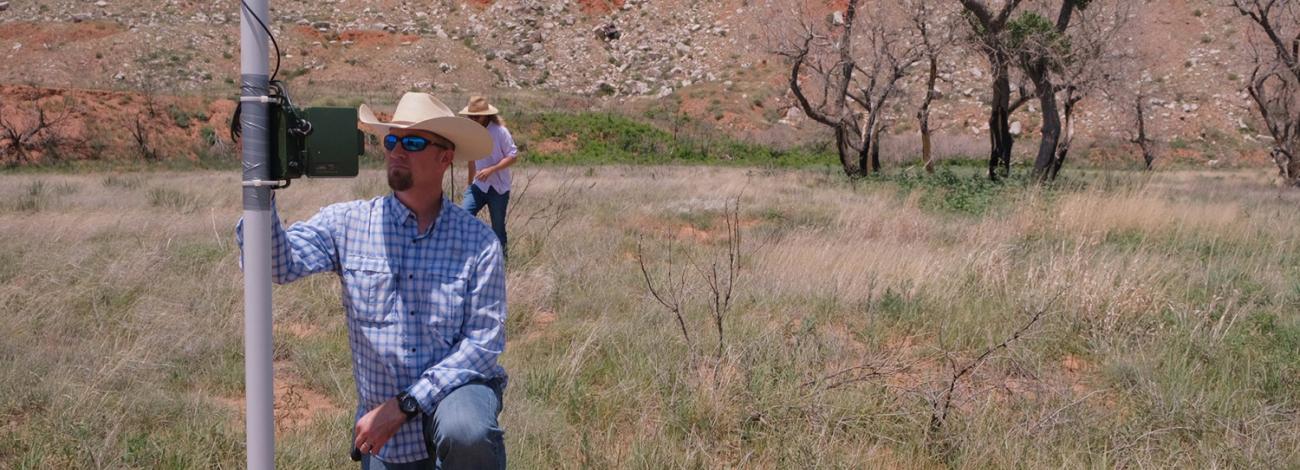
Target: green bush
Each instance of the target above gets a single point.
(945, 191)
(601, 138)
(179, 115)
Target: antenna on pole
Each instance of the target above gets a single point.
(254, 122)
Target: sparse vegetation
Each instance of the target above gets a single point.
(1173, 342)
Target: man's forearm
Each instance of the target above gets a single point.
(451, 372)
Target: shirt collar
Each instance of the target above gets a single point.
(403, 215)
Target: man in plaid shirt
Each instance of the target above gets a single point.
(424, 289)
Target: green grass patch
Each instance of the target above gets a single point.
(607, 138)
(172, 199)
(947, 191)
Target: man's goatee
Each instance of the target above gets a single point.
(399, 180)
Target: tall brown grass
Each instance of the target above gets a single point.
(1171, 339)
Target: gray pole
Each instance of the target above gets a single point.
(253, 119)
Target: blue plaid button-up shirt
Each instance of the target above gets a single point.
(426, 311)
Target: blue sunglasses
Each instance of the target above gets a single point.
(411, 143)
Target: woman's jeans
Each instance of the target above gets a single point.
(476, 198)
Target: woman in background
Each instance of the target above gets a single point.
(489, 177)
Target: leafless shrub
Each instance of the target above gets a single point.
(672, 291)
(20, 133)
(721, 273)
(941, 403)
(141, 135)
(718, 275)
(543, 215)
(872, 368)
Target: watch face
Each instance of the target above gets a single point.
(409, 405)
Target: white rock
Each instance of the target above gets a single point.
(1016, 128)
(793, 114)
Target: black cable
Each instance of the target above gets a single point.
(268, 34)
(234, 120)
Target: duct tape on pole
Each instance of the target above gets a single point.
(254, 122)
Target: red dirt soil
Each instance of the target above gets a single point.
(588, 6)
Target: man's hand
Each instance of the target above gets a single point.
(484, 174)
(378, 426)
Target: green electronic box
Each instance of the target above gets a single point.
(320, 142)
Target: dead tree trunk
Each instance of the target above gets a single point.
(1067, 137)
(923, 115)
(988, 29)
(1051, 127)
(923, 18)
(1000, 137)
(1148, 153)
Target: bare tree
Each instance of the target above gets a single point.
(1066, 61)
(935, 36)
(988, 30)
(1140, 137)
(140, 133)
(20, 135)
(1275, 80)
(850, 88)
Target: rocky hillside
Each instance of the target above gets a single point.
(707, 59)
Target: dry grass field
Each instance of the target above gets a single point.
(1156, 321)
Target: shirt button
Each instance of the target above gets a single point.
(412, 349)
(410, 276)
(412, 312)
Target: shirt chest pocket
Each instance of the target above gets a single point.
(369, 286)
(443, 301)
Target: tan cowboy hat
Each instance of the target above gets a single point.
(424, 112)
(478, 106)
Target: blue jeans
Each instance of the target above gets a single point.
(476, 198)
(462, 433)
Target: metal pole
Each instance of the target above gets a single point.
(258, 376)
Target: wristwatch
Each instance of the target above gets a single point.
(408, 404)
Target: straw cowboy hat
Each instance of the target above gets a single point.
(478, 106)
(424, 112)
